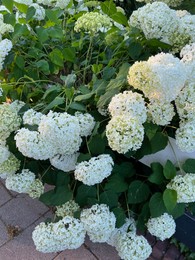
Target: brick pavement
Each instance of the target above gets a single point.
(19, 214)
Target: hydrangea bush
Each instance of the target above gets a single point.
(87, 89)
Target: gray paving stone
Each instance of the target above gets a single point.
(103, 251)
(3, 234)
(19, 212)
(4, 195)
(77, 254)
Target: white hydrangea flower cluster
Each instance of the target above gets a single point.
(86, 122)
(161, 113)
(9, 120)
(1, 92)
(148, 76)
(93, 22)
(39, 12)
(4, 152)
(99, 222)
(9, 166)
(185, 102)
(25, 182)
(173, 3)
(185, 136)
(25, 2)
(128, 227)
(4, 27)
(33, 145)
(184, 186)
(162, 227)
(187, 24)
(62, 3)
(17, 105)
(188, 58)
(5, 48)
(67, 209)
(95, 170)
(67, 233)
(124, 133)
(132, 246)
(65, 162)
(128, 102)
(32, 117)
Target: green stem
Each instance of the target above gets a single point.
(178, 162)
(87, 58)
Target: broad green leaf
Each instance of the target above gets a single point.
(20, 62)
(8, 4)
(78, 106)
(55, 32)
(30, 13)
(108, 73)
(178, 211)
(138, 192)
(189, 166)
(43, 66)
(69, 54)
(159, 142)
(83, 193)
(21, 7)
(20, 30)
(169, 170)
(84, 97)
(108, 7)
(157, 206)
(83, 157)
(120, 216)
(56, 102)
(143, 217)
(116, 183)
(150, 130)
(10, 19)
(125, 169)
(56, 197)
(56, 57)
(42, 34)
(54, 88)
(170, 199)
(157, 175)
(62, 178)
(110, 198)
(97, 145)
(135, 50)
(119, 18)
(52, 15)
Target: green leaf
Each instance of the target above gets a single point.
(56, 102)
(56, 57)
(62, 179)
(78, 106)
(125, 169)
(30, 13)
(109, 198)
(157, 175)
(97, 145)
(42, 34)
(10, 19)
(21, 7)
(135, 49)
(156, 204)
(83, 193)
(119, 18)
(54, 88)
(20, 30)
(83, 157)
(150, 130)
(20, 62)
(178, 211)
(138, 192)
(108, 73)
(143, 217)
(84, 97)
(52, 15)
(56, 197)
(159, 142)
(169, 170)
(69, 54)
(8, 4)
(55, 32)
(170, 199)
(43, 65)
(189, 166)
(116, 183)
(108, 7)
(120, 216)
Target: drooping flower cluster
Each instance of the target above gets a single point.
(173, 3)
(9, 166)
(67, 209)
(5, 48)
(184, 186)
(99, 222)
(67, 233)
(93, 22)
(32, 117)
(86, 122)
(65, 162)
(162, 227)
(95, 170)
(132, 246)
(25, 182)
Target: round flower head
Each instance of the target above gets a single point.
(185, 136)
(156, 20)
(95, 170)
(31, 117)
(185, 102)
(39, 12)
(99, 222)
(93, 22)
(67, 233)
(188, 58)
(161, 113)
(173, 3)
(20, 182)
(62, 132)
(162, 227)
(128, 227)
(17, 105)
(9, 121)
(184, 186)
(187, 24)
(67, 209)
(9, 166)
(4, 153)
(130, 103)
(5, 28)
(36, 189)
(31, 144)
(149, 77)
(124, 133)
(131, 246)
(86, 122)
(65, 163)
